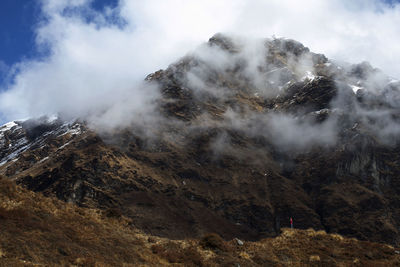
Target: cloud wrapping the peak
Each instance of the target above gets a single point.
(97, 61)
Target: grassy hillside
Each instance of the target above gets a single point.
(41, 231)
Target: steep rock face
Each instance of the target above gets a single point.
(251, 134)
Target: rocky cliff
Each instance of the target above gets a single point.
(247, 135)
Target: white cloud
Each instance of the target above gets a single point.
(95, 65)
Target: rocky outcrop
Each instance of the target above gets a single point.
(238, 151)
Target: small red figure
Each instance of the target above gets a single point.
(291, 222)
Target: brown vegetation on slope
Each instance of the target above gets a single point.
(40, 231)
(199, 173)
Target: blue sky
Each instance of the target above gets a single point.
(18, 20)
(94, 66)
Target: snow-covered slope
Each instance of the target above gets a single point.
(17, 137)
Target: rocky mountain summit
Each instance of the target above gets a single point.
(245, 135)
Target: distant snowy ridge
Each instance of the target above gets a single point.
(17, 137)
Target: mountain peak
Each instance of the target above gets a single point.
(245, 134)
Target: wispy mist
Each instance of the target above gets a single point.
(97, 61)
(293, 98)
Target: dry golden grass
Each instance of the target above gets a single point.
(40, 231)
